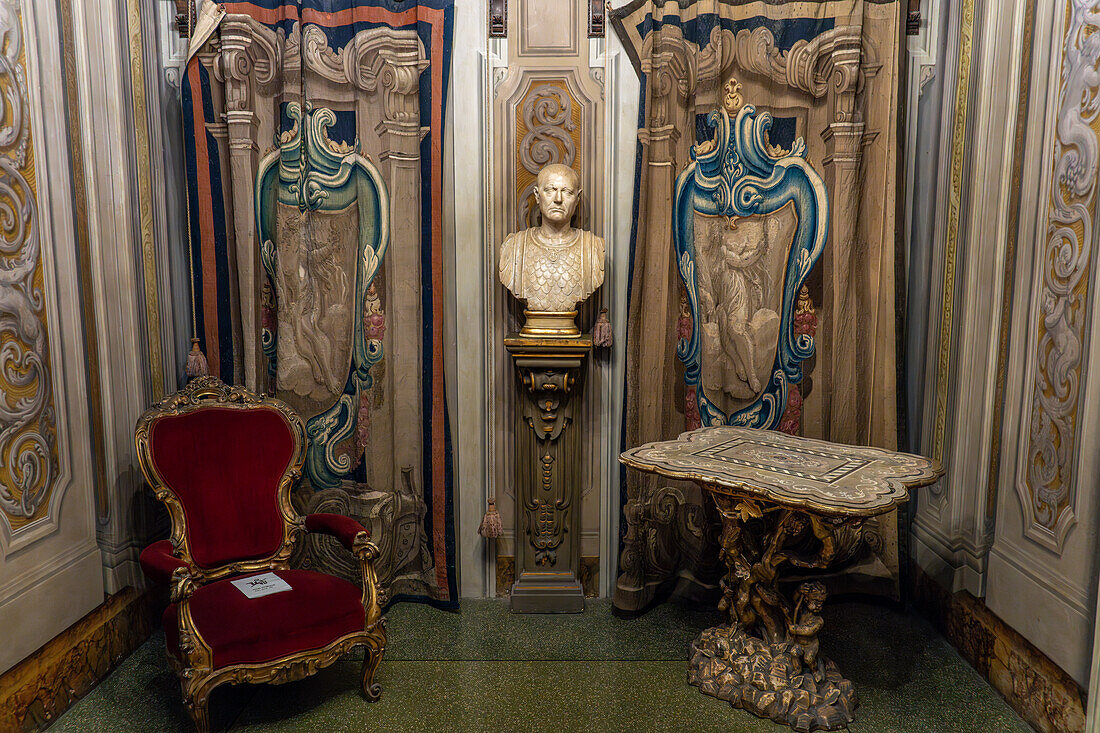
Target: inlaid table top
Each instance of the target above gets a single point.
(803, 473)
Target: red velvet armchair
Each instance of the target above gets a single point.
(224, 460)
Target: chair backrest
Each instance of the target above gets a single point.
(223, 460)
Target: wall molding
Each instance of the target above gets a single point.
(472, 409)
(144, 221)
(35, 692)
(965, 30)
(1034, 686)
(47, 567)
(124, 288)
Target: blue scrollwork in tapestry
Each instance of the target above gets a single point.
(322, 214)
(750, 223)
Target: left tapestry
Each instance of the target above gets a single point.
(313, 131)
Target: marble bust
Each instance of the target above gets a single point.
(554, 266)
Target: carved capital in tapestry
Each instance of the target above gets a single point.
(247, 53)
(671, 74)
(836, 62)
(376, 59)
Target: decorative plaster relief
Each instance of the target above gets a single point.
(541, 32)
(548, 129)
(1047, 493)
(28, 444)
(927, 74)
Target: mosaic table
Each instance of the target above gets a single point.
(786, 505)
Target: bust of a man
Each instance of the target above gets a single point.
(553, 266)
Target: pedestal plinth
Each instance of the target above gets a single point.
(547, 472)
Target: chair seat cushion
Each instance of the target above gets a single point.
(317, 610)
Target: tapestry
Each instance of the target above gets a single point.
(314, 150)
(812, 81)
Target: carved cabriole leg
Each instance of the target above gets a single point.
(198, 707)
(371, 689)
(766, 660)
(375, 624)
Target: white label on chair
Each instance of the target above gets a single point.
(255, 586)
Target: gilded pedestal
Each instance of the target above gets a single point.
(547, 475)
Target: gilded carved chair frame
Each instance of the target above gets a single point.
(195, 667)
(736, 174)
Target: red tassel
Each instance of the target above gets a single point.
(491, 526)
(196, 362)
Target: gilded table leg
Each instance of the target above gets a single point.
(766, 660)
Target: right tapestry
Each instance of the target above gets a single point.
(827, 73)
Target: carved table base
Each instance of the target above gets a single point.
(788, 505)
(769, 681)
(766, 661)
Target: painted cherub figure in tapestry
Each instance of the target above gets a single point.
(739, 327)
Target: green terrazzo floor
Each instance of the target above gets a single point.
(485, 669)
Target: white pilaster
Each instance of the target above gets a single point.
(952, 535)
(106, 121)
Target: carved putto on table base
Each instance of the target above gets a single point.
(766, 661)
(552, 267)
(786, 503)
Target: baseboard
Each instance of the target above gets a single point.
(1039, 690)
(589, 575)
(38, 689)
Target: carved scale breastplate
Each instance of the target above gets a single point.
(553, 276)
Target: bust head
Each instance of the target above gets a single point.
(552, 267)
(557, 190)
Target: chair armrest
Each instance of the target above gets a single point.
(196, 655)
(344, 529)
(355, 538)
(159, 563)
